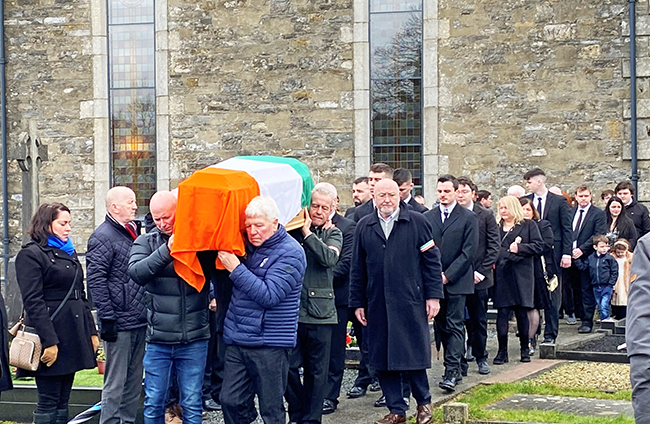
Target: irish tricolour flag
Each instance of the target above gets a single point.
(212, 201)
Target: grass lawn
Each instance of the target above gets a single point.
(83, 378)
(547, 384)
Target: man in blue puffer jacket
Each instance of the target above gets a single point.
(262, 318)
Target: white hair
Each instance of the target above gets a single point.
(325, 189)
(263, 206)
(516, 190)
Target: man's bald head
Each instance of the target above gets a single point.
(386, 197)
(163, 210)
(121, 204)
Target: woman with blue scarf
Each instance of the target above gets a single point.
(47, 270)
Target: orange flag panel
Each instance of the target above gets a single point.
(210, 216)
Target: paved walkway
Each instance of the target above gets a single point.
(362, 410)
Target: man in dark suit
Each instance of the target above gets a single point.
(635, 210)
(578, 294)
(455, 232)
(378, 171)
(556, 211)
(360, 195)
(341, 294)
(395, 286)
(404, 180)
(486, 255)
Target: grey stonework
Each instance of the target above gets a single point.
(508, 86)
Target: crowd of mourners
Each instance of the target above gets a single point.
(273, 323)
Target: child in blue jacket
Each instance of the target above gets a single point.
(603, 270)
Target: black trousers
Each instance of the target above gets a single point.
(588, 302)
(477, 305)
(365, 375)
(572, 294)
(451, 324)
(249, 371)
(213, 378)
(552, 315)
(392, 383)
(312, 353)
(53, 392)
(337, 355)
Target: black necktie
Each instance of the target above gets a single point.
(539, 207)
(576, 230)
(446, 215)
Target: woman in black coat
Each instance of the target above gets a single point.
(542, 297)
(514, 285)
(46, 269)
(619, 225)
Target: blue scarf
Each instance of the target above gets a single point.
(67, 246)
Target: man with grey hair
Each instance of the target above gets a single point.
(322, 243)
(120, 306)
(516, 190)
(262, 317)
(341, 294)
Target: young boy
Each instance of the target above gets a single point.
(603, 270)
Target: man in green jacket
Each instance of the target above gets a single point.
(322, 243)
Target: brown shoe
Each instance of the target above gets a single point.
(394, 419)
(424, 414)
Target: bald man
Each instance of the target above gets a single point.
(177, 316)
(395, 288)
(120, 306)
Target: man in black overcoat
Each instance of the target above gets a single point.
(578, 296)
(555, 209)
(637, 212)
(395, 286)
(360, 195)
(486, 255)
(378, 171)
(455, 232)
(404, 180)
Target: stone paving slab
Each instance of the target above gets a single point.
(565, 404)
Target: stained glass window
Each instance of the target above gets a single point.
(132, 98)
(396, 84)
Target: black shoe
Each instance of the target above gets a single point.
(463, 370)
(328, 406)
(549, 340)
(584, 329)
(374, 386)
(211, 405)
(469, 357)
(501, 358)
(483, 368)
(448, 383)
(381, 402)
(525, 354)
(356, 392)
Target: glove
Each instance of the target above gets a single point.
(108, 330)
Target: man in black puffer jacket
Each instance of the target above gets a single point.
(120, 307)
(178, 326)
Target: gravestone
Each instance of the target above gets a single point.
(30, 154)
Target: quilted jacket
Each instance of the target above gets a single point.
(263, 310)
(176, 312)
(114, 294)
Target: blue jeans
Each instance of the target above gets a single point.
(189, 361)
(603, 295)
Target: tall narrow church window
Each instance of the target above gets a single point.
(132, 97)
(396, 84)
